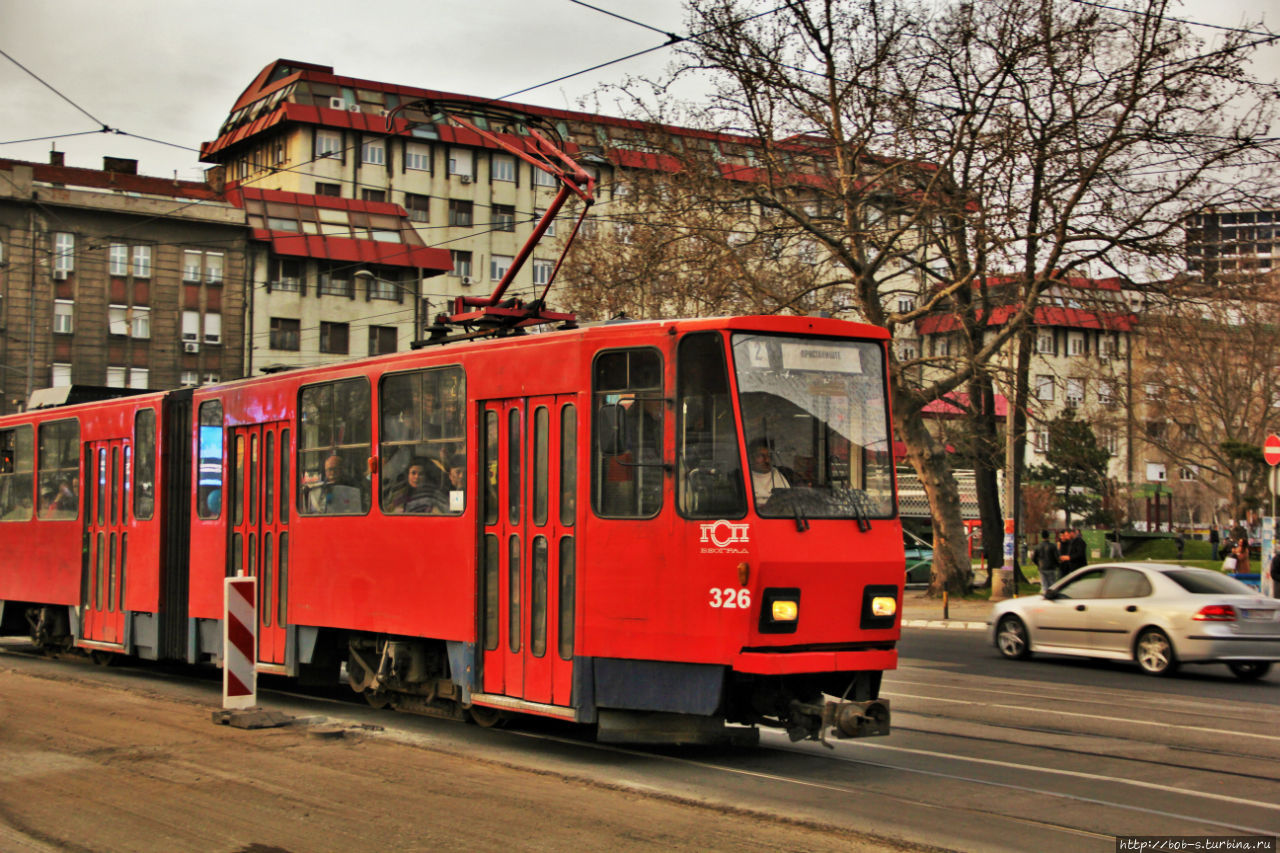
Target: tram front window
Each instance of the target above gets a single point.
(816, 425)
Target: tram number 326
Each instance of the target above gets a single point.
(730, 598)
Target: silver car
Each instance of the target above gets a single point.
(1157, 614)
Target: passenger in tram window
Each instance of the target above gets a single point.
(335, 494)
(62, 500)
(418, 493)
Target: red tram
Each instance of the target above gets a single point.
(660, 528)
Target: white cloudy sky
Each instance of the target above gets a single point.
(170, 69)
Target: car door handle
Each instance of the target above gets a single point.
(1132, 608)
(1080, 607)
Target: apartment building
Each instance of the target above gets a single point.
(1234, 245)
(111, 278)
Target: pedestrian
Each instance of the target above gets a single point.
(1241, 553)
(1179, 543)
(1116, 552)
(1078, 550)
(1214, 539)
(1275, 573)
(1046, 559)
(1064, 552)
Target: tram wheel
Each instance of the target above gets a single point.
(487, 718)
(102, 658)
(377, 698)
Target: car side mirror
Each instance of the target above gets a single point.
(1051, 594)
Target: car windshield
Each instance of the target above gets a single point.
(1204, 582)
(816, 423)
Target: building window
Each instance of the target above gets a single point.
(498, 266)
(460, 213)
(142, 262)
(417, 156)
(284, 334)
(419, 207)
(461, 263)
(1075, 392)
(64, 251)
(542, 271)
(374, 151)
(906, 303)
(118, 259)
(212, 328)
(116, 376)
(60, 376)
(504, 217)
(134, 322)
(211, 379)
(1190, 472)
(1108, 440)
(543, 179)
(1040, 441)
(504, 167)
(1106, 347)
(197, 265)
(139, 377)
(328, 144)
(1044, 388)
(63, 316)
(383, 288)
(906, 350)
(1075, 343)
(461, 162)
(190, 327)
(373, 195)
(189, 377)
(1155, 429)
(382, 340)
(286, 274)
(334, 338)
(280, 223)
(1156, 472)
(538, 213)
(1106, 393)
(1044, 343)
(334, 190)
(335, 280)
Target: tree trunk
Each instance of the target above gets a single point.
(952, 570)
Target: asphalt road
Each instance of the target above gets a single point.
(987, 754)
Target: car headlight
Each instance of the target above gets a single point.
(884, 605)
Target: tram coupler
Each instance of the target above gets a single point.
(857, 719)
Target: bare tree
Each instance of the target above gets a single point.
(924, 150)
(1207, 385)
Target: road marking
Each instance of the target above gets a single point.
(1078, 774)
(1229, 732)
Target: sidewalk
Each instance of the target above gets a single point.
(921, 611)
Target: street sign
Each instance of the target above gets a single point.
(1271, 449)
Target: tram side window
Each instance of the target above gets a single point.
(209, 474)
(708, 463)
(628, 411)
(144, 478)
(422, 441)
(17, 459)
(58, 469)
(333, 448)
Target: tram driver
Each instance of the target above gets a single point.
(764, 476)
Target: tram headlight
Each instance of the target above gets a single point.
(879, 606)
(785, 611)
(779, 610)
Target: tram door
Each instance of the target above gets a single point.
(259, 544)
(106, 511)
(527, 578)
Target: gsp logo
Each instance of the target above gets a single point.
(723, 533)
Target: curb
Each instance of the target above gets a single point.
(948, 624)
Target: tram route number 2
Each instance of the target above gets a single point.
(730, 598)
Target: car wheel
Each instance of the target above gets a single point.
(1154, 653)
(1012, 639)
(1249, 670)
